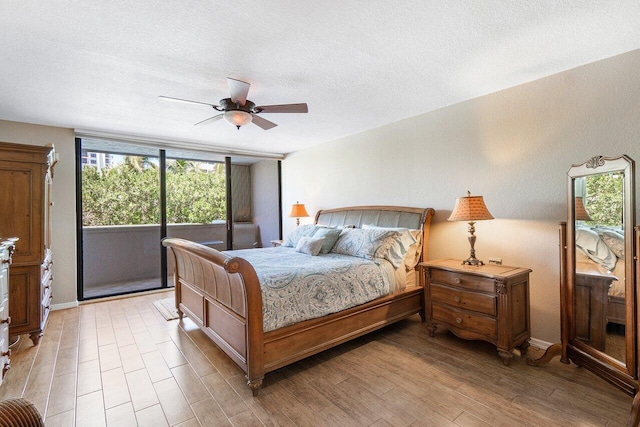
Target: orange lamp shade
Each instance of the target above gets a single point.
(298, 211)
(470, 208)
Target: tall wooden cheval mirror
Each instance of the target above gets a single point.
(598, 275)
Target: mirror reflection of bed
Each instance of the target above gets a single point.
(600, 267)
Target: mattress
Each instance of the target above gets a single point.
(298, 287)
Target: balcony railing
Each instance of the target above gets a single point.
(117, 258)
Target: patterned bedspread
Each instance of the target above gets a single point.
(297, 287)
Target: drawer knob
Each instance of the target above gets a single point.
(7, 320)
(456, 298)
(459, 320)
(458, 281)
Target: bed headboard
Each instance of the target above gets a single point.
(383, 216)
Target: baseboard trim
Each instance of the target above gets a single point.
(543, 345)
(64, 305)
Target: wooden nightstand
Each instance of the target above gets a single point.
(489, 302)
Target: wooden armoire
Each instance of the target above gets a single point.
(26, 176)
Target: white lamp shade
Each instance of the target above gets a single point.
(237, 117)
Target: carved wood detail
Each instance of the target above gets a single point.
(595, 162)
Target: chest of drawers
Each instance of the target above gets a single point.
(6, 249)
(26, 180)
(489, 303)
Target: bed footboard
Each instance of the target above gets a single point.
(222, 295)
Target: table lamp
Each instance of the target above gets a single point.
(471, 209)
(298, 211)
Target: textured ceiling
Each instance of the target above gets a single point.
(101, 65)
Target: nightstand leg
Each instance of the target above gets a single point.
(506, 356)
(524, 347)
(432, 329)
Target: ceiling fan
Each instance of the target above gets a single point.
(239, 111)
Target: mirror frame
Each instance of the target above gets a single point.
(622, 374)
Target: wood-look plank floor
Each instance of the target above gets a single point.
(120, 363)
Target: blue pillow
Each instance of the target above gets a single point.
(299, 232)
(309, 245)
(330, 235)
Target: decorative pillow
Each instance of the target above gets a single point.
(365, 243)
(309, 245)
(330, 236)
(614, 240)
(399, 248)
(292, 239)
(594, 247)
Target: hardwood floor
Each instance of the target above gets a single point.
(119, 363)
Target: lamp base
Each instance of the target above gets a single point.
(472, 261)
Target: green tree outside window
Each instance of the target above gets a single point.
(129, 193)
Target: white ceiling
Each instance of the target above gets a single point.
(101, 65)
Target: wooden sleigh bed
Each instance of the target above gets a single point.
(222, 294)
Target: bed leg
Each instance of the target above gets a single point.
(180, 314)
(254, 385)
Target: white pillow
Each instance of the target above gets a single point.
(414, 252)
(309, 245)
(369, 244)
(399, 248)
(614, 239)
(595, 248)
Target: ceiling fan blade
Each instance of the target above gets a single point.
(210, 119)
(263, 123)
(283, 108)
(185, 101)
(238, 90)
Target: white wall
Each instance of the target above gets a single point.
(63, 213)
(513, 147)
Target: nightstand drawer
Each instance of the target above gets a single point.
(465, 320)
(462, 299)
(471, 282)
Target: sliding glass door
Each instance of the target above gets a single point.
(120, 198)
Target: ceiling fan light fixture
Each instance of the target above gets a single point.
(237, 117)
